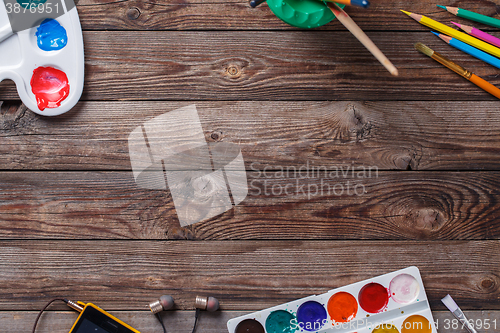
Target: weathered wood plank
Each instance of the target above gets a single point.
(388, 135)
(182, 321)
(250, 275)
(244, 65)
(394, 205)
(238, 15)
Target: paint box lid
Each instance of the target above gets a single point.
(305, 14)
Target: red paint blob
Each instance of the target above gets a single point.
(50, 87)
(373, 297)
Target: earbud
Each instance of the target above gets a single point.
(210, 304)
(166, 302)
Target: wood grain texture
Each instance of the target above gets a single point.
(73, 222)
(243, 65)
(182, 321)
(243, 275)
(238, 15)
(394, 205)
(388, 135)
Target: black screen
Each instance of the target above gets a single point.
(89, 327)
(94, 321)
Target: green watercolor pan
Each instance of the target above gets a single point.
(305, 14)
(392, 303)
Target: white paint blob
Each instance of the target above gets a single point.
(404, 289)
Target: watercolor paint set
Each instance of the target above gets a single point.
(392, 303)
(46, 60)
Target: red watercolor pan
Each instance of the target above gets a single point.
(373, 297)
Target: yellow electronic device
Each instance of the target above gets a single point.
(95, 320)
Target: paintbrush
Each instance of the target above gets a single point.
(457, 312)
(485, 85)
(348, 22)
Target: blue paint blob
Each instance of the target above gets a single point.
(311, 316)
(280, 321)
(51, 36)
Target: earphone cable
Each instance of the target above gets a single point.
(161, 322)
(196, 319)
(45, 307)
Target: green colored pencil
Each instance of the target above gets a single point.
(467, 14)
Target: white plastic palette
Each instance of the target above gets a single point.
(20, 55)
(406, 310)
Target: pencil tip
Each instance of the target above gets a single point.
(395, 72)
(407, 13)
(457, 24)
(442, 7)
(446, 39)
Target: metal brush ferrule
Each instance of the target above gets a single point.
(461, 317)
(467, 74)
(155, 307)
(201, 302)
(451, 65)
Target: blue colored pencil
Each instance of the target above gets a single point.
(493, 61)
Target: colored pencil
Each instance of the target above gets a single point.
(435, 25)
(467, 14)
(255, 3)
(358, 3)
(493, 61)
(347, 21)
(479, 34)
(481, 83)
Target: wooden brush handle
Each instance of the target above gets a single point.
(485, 85)
(348, 22)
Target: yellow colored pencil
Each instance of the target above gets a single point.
(455, 33)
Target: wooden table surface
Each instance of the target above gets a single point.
(74, 224)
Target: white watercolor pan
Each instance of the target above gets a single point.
(392, 303)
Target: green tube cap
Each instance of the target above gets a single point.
(305, 14)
